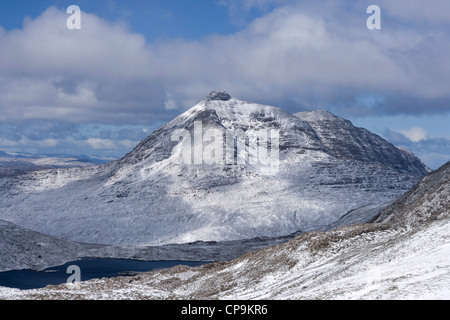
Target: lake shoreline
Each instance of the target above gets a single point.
(89, 268)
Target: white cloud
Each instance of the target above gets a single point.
(303, 54)
(7, 142)
(47, 143)
(50, 72)
(415, 134)
(29, 143)
(170, 103)
(99, 144)
(127, 144)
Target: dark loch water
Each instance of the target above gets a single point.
(89, 269)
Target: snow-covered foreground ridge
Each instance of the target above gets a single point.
(404, 254)
(326, 167)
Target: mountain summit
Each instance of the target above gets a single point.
(225, 169)
(219, 95)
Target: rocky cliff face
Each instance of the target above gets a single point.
(345, 141)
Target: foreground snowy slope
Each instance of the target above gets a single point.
(405, 255)
(149, 197)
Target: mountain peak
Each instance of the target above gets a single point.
(219, 95)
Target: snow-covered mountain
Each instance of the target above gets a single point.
(160, 193)
(404, 254)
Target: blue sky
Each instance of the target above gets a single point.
(135, 65)
(155, 19)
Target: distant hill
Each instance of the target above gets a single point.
(12, 163)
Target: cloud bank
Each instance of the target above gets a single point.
(298, 56)
(302, 57)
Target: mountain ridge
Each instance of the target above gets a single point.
(360, 144)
